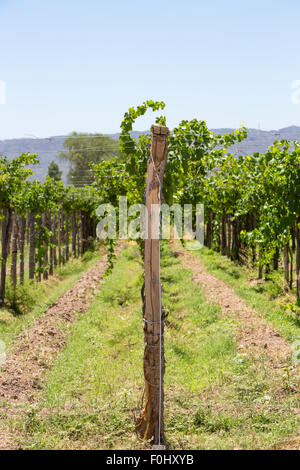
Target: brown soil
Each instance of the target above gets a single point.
(255, 334)
(291, 445)
(7, 442)
(36, 348)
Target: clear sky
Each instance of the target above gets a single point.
(78, 65)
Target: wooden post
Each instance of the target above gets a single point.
(14, 251)
(298, 257)
(74, 235)
(22, 246)
(5, 245)
(45, 246)
(150, 423)
(31, 224)
(286, 263)
(59, 218)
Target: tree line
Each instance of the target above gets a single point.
(47, 221)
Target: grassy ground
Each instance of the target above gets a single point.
(215, 397)
(266, 297)
(34, 298)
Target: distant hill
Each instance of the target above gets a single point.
(259, 141)
(49, 148)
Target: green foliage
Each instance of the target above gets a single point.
(293, 309)
(20, 299)
(54, 171)
(128, 145)
(84, 199)
(266, 186)
(38, 197)
(13, 174)
(111, 257)
(83, 149)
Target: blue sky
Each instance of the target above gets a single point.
(73, 65)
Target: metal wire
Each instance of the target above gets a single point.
(160, 306)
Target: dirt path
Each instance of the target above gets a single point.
(35, 350)
(255, 335)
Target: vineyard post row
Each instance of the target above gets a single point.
(223, 234)
(47, 236)
(150, 423)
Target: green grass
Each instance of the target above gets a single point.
(266, 297)
(34, 298)
(215, 397)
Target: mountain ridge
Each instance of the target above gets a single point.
(48, 148)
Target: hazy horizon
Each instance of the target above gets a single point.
(135, 130)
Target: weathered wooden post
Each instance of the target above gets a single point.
(14, 251)
(150, 424)
(298, 258)
(5, 246)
